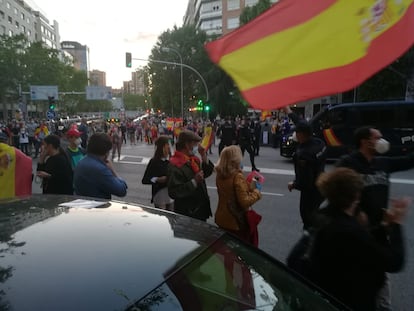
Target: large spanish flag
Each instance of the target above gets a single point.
(15, 172)
(301, 49)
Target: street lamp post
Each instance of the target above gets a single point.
(168, 49)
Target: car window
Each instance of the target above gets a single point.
(231, 276)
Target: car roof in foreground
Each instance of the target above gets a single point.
(101, 257)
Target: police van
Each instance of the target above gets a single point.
(336, 125)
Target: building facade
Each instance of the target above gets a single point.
(18, 17)
(216, 17)
(80, 54)
(97, 78)
(138, 82)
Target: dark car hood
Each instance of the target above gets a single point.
(59, 258)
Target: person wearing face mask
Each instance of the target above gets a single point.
(74, 149)
(375, 171)
(186, 177)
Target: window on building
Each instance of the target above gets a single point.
(28, 20)
(17, 24)
(10, 33)
(3, 30)
(29, 33)
(22, 16)
(233, 23)
(23, 29)
(16, 12)
(42, 28)
(233, 5)
(2, 15)
(8, 5)
(210, 7)
(250, 2)
(211, 24)
(9, 19)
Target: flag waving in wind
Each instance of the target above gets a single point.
(300, 49)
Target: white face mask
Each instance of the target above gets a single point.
(294, 137)
(382, 146)
(195, 149)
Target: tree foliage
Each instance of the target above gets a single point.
(23, 64)
(164, 79)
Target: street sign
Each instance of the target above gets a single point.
(43, 92)
(51, 114)
(98, 92)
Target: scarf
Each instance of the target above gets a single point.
(179, 159)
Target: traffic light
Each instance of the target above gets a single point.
(52, 104)
(207, 108)
(128, 59)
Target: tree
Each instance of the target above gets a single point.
(23, 64)
(164, 79)
(11, 68)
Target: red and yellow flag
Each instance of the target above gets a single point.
(208, 137)
(301, 49)
(15, 172)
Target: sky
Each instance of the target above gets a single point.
(111, 28)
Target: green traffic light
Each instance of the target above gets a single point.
(207, 108)
(128, 60)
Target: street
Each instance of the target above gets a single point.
(281, 225)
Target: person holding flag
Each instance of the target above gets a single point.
(186, 177)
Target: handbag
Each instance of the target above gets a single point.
(238, 213)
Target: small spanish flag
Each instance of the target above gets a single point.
(208, 137)
(301, 49)
(15, 172)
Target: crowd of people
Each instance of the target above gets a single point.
(352, 238)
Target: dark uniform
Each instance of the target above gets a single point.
(309, 160)
(227, 134)
(246, 143)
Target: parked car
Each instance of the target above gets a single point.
(336, 124)
(63, 253)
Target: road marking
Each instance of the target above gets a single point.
(272, 171)
(402, 181)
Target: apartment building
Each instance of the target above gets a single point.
(97, 78)
(18, 17)
(216, 17)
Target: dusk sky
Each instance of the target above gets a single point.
(112, 28)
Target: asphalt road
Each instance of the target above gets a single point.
(281, 226)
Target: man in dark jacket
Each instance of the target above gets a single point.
(186, 177)
(227, 133)
(375, 171)
(246, 141)
(309, 161)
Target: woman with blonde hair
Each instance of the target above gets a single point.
(235, 195)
